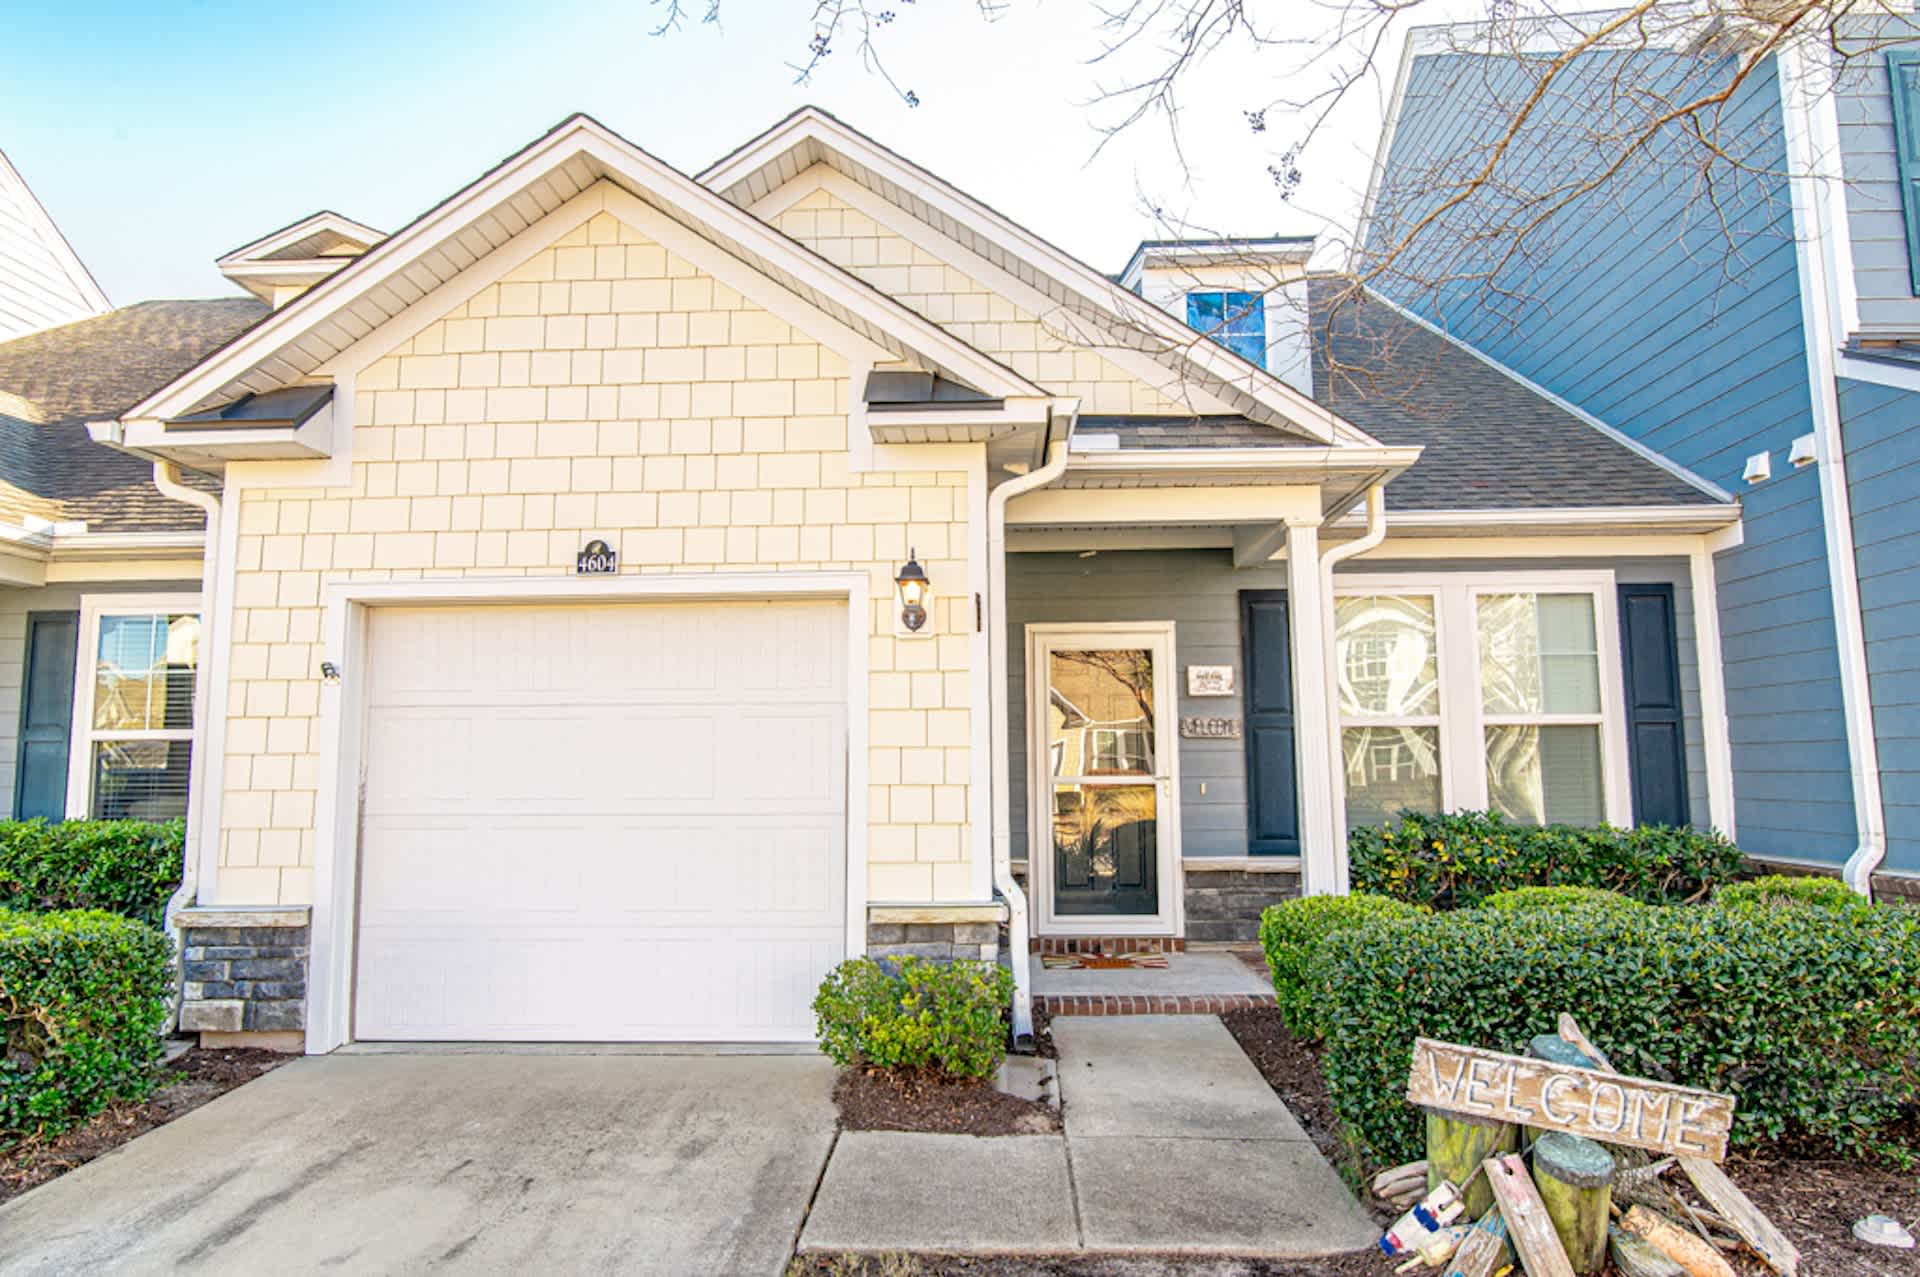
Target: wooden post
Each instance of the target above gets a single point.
(1456, 1146)
(1528, 1226)
(1574, 1176)
(1694, 1256)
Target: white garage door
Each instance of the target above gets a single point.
(602, 823)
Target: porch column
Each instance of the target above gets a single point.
(1323, 858)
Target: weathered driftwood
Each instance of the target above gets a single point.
(1484, 1250)
(1575, 1177)
(1695, 1257)
(1612, 1107)
(1637, 1257)
(1456, 1146)
(1396, 1175)
(1731, 1206)
(1529, 1227)
(1742, 1216)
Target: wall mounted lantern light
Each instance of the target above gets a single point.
(913, 587)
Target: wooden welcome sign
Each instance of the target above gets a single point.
(1608, 1107)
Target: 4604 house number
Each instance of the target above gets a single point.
(598, 559)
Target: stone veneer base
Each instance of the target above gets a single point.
(243, 973)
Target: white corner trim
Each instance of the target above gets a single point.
(1715, 736)
(1572, 409)
(1813, 247)
(342, 713)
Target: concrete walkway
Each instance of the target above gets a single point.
(1174, 1143)
(481, 1163)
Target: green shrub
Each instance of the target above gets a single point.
(1810, 1018)
(1295, 932)
(1776, 890)
(1528, 899)
(127, 867)
(83, 1003)
(914, 1015)
(1456, 861)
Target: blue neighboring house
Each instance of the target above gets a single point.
(1754, 316)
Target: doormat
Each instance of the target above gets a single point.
(1102, 962)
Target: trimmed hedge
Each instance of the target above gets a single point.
(1293, 933)
(83, 1004)
(1810, 1018)
(1525, 899)
(914, 1015)
(127, 867)
(1456, 861)
(1776, 890)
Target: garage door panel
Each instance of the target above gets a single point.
(547, 855)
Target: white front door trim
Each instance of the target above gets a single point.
(342, 723)
(1158, 638)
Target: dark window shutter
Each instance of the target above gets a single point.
(1903, 79)
(1273, 809)
(46, 716)
(1656, 724)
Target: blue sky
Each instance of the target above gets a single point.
(162, 135)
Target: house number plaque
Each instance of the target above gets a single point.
(1210, 680)
(1204, 728)
(598, 559)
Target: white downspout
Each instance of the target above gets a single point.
(166, 477)
(1016, 897)
(1375, 533)
(1804, 89)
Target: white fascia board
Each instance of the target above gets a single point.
(95, 546)
(324, 220)
(1853, 367)
(301, 270)
(1611, 518)
(623, 163)
(1305, 460)
(1229, 252)
(1132, 310)
(1572, 409)
(152, 437)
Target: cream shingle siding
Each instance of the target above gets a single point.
(970, 310)
(604, 388)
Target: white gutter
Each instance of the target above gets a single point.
(1376, 533)
(166, 477)
(1016, 897)
(1802, 88)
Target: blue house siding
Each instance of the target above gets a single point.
(1675, 319)
(1880, 426)
(1199, 590)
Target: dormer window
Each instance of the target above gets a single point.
(1237, 321)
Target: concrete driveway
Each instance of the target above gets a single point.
(476, 1163)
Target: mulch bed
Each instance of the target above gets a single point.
(1812, 1196)
(1361, 1264)
(193, 1079)
(872, 1101)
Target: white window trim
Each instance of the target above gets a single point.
(1462, 719)
(80, 733)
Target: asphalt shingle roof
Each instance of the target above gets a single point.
(1490, 442)
(53, 382)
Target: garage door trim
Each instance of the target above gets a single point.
(342, 726)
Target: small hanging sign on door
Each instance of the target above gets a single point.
(1205, 728)
(598, 559)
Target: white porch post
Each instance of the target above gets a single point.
(1323, 855)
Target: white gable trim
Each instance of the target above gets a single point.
(415, 260)
(1264, 394)
(1137, 364)
(324, 220)
(87, 290)
(604, 197)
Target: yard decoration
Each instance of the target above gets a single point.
(1575, 1178)
(1494, 1086)
(1457, 1145)
(1401, 1186)
(1637, 1257)
(1719, 1192)
(1695, 1257)
(1528, 1225)
(1485, 1249)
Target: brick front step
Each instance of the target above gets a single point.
(1113, 946)
(1149, 1004)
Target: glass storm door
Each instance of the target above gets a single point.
(1105, 754)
